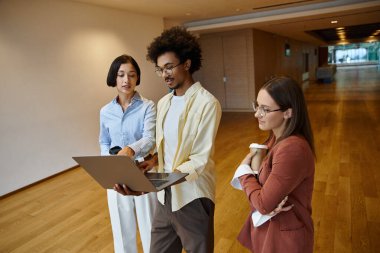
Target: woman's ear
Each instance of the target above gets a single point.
(288, 113)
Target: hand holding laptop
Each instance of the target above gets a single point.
(146, 165)
(126, 191)
(149, 163)
(143, 166)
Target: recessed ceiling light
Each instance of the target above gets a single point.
(334, 21)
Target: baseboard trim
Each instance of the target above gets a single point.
(37, 182)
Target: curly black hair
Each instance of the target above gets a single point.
(178, 40)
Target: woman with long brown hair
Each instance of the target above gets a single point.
(286, 174)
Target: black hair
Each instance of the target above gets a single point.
(287, 93)
(115, 65)
(178, 40)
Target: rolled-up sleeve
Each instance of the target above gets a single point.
(288, 170)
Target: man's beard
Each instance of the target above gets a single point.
(176, 86)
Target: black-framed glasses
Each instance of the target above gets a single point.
(262, 111)
(167, 70)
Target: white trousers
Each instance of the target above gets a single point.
(123, 220)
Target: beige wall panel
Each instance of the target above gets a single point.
(265, 57)
(54, 58)
(247, 59)
(212, 72)
(236, 70)
(227, 70)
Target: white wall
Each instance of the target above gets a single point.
(54, 58)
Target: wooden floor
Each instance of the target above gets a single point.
(69, 213)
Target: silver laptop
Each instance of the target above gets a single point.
(114, 169)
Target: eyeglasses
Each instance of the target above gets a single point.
(262, 110)
(167, 70)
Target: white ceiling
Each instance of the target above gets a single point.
(290, 18)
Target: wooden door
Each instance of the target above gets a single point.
(212, 70)
(227, 68)
(236, 70)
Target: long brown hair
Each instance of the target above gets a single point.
(288, 94)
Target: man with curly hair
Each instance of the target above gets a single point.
(187, 123)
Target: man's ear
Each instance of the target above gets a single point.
(288, 113)
(187, 64)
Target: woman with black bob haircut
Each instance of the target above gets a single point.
(127, 127)
(282, 187)
(114, 68)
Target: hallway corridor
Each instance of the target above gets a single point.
(346, 201)
(68, 213)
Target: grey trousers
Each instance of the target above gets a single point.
(191, 227)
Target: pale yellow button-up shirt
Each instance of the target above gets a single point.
(197, 128)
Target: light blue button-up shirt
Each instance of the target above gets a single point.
(135, 127)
